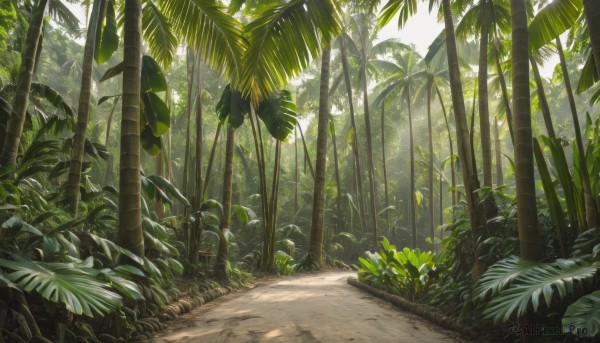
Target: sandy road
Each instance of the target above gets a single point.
(305, 308)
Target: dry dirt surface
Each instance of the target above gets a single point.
(305, 308)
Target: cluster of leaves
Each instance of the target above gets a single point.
(411, 273)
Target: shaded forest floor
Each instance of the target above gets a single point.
(304, 308)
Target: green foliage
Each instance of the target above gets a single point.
(107, 38)
(412, 273)
(517, 286)
(283, 263)
(583, 313)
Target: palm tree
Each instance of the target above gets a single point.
(72, 188)
(14, 127)
(318, 213)
(529, 237)
(405, 73)
(130, 208)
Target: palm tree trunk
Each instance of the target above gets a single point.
(371, 168)
(110, 161)
(222, 255)
(484, 115)
(191, 66)
(529, 236)
(590, 203)
(591, 9)
(211, 159)
(430, 176)
(16, 121)
(198, 189)
(295, 172)
(542, 98)
(499, 173)
(462, 134)
(385, 183)
(73, 182)
(503, 87)
(452, 164)
(306, 154)
(131, 235)
(413, 210)
(357, 169)
(318, 213)
(338, 199)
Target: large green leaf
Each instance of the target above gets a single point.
(232, 107)
(278, 112)
(112, 72)
(153, 78)
(283, 41)
(583, 316)
(65, 283)
(213, 34)
(552, 20)
(169, 188)
(499, 277)
(107, 37)
(589, 75)
(545, 282)
(158, 33)
(157, 113)
(150, 142)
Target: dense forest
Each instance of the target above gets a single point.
(147, 145)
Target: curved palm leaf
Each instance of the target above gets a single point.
(158, 33)
(405, 9)
(278, 112)
(107, 38)
(584, 313)
(214, 35)
(65, 283)
(232, 107)
(283, 41)
(552, 20)
(541, 281)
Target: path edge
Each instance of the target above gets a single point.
(427, 312)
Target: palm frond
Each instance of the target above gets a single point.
(210, 31)
(552, 20)
(542, 283)
(584, 313)
(158, 33)
(405, 9)
(65, 283)
(283, 41)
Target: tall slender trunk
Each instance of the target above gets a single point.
(274, 194)
(591, 213)
(413, 210)
(430, 174)
(385, 183)
(196, 230)
(338, 199)
(223, 254)
(542, 98)
(505, 97)
(191, 66)
(74, 179)
(199, 138)
(16, 121)
(462, 134)
(484, 115)
(211, 159)
(591, 8)
(371, 168)
(498, 146)
(452, 163)
(318, 212)
(306, 154)
(131, 235)
(355, 150)
(295, 172)
(110, 161)
(529, 236)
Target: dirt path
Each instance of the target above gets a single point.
(306, 308)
